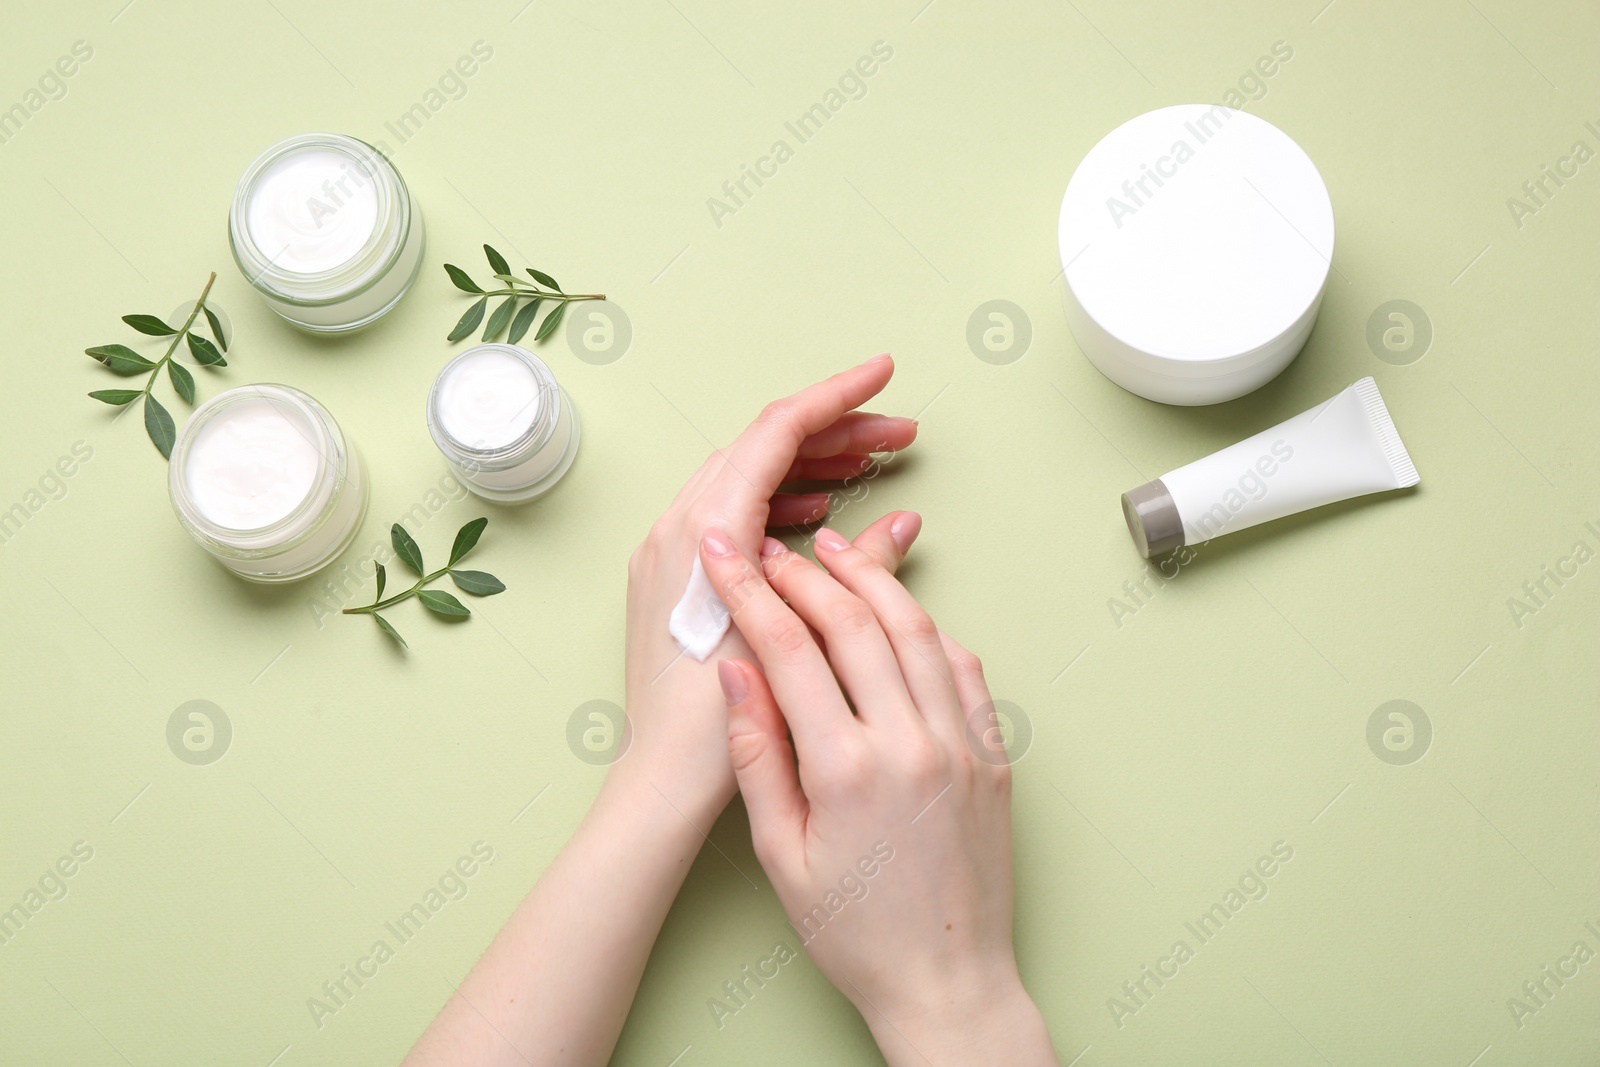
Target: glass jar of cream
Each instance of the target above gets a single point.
(263, 479)
(508, 431)
(324, 228)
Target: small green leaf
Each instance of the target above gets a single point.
(406, 548)
(159, 425)
(216, 329)
(497, 261)
(498, 320)
(466, 537)
(120, 358)
(204, 352)
(460, 279)
(544, 279)
(383, 624)
(443, 604)
(524, 319)
(149, 324)
(117, 397)
(470, 320)
(383, 578)
(182, 380)
(551, 321)
(478, 583)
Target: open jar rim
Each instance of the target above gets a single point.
(377, 256)
(305, 518)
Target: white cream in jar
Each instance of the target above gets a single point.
(505, 427)
(323, 226)
(263, 479)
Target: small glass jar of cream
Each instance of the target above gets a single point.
(264, 480)
(324, 228)
(507, 430)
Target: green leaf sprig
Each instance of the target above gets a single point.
(478, 583)
(543, 290)
(120, 359)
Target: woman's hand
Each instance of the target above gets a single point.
(890, 844)
(555, 990)
(673, 702)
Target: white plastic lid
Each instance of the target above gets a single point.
(1196, 236)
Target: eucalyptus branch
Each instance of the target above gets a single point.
(120, 359)
(543, 289)
(478, 583)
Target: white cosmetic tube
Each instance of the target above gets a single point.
(1342, 448)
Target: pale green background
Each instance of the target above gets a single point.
(1227, 714)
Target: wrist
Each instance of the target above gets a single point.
(678, 744)
(663, 799)
(996, 1022)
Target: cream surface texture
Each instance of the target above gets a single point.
(313, 210)
(251, 466)
(488, 400)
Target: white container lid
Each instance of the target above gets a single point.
(1197, 242)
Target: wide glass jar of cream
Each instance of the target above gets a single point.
(264, 480)
(508, 431)
(324, 228)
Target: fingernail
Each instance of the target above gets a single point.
(831, 540)
(771, 547)
(879, 358)
(904, 529)
(716, 543)
(734, 688)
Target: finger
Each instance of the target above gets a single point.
(797, 509)
(828, 468)
(977, 706)
(761, 455)
(763, 763)
(889, 539)
(791, 660)
(860, 431)
(911, 631)
(855, 645)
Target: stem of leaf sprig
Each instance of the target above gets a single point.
(478, 583)
(120, 359)
(505, 316)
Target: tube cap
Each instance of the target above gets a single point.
(1153, 519)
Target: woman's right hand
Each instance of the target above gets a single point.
(890, 844)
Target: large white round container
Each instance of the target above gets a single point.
(1196, 243)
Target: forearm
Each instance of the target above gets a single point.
(556, 983)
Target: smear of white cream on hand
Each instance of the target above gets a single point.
(700, 618)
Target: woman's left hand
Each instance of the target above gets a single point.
(674, 704)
